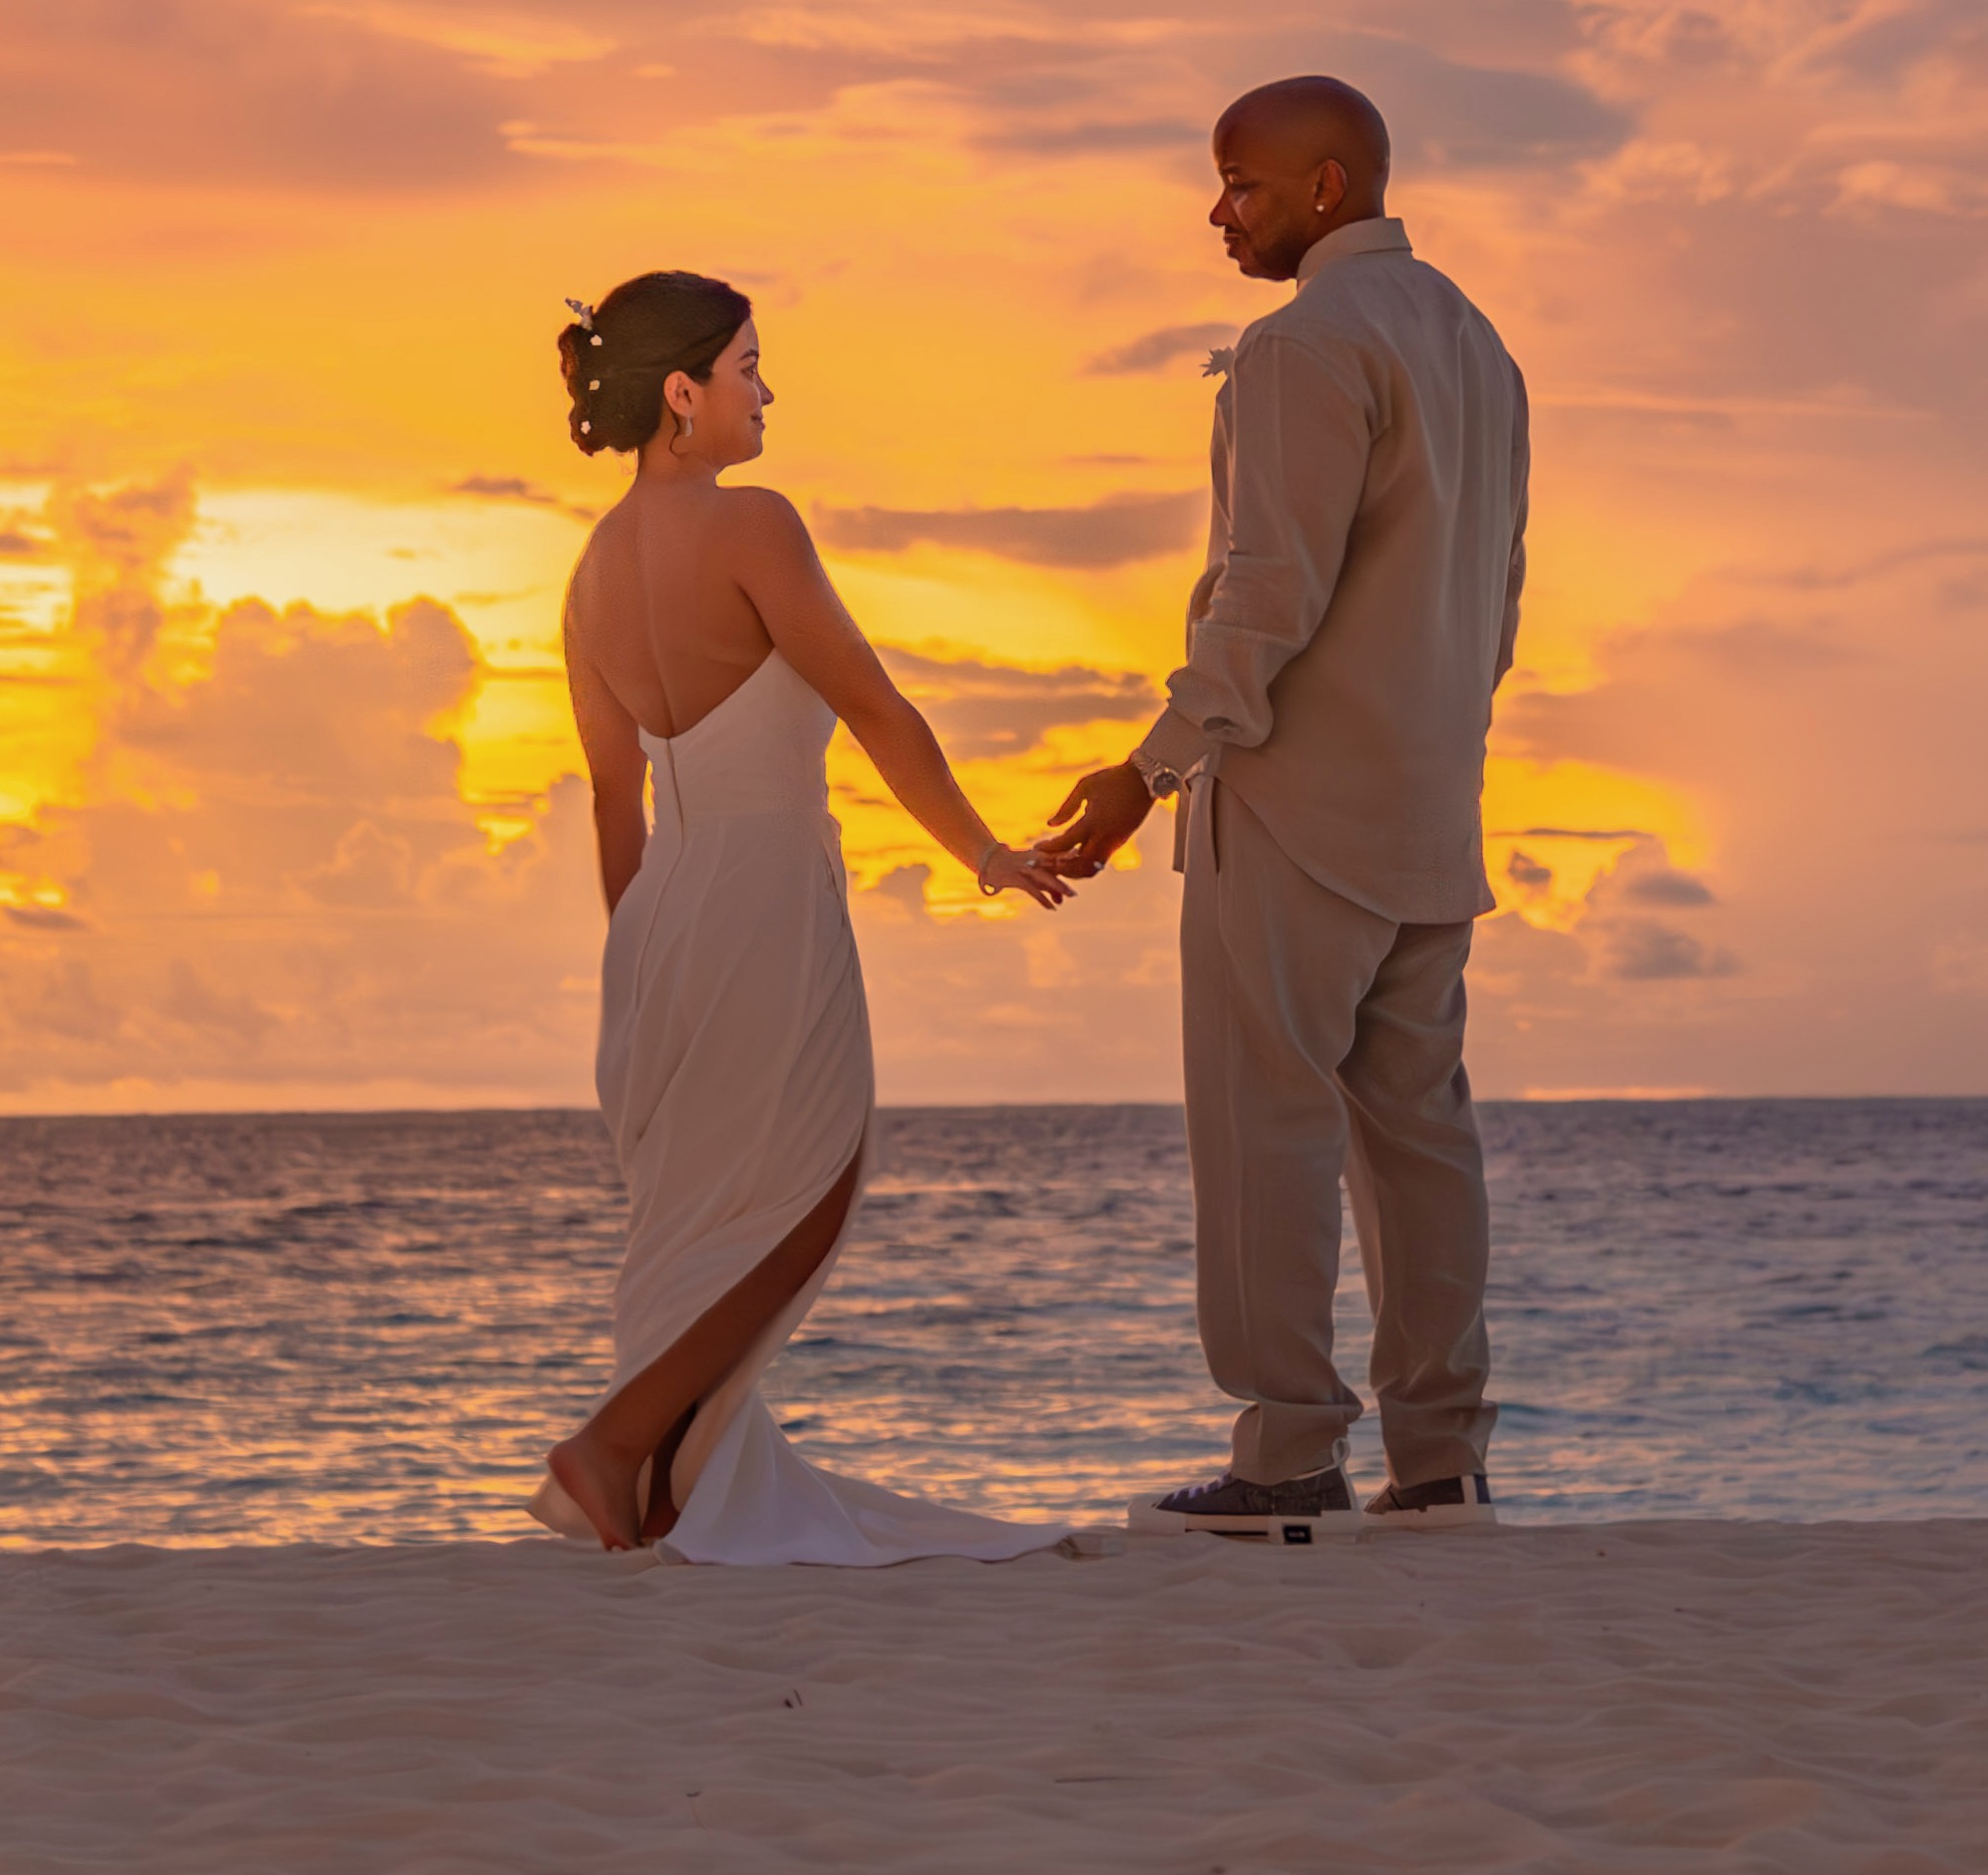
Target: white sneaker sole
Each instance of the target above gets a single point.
(1436, 1517)
(1144, 1518)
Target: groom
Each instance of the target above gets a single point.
(1327, 730)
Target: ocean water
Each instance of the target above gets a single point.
(367, 1329)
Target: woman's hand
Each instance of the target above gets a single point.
(1007, 870)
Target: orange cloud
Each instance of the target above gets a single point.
(1107, 532)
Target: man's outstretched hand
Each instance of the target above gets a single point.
(1115, 802)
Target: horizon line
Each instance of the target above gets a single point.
(1532, 1097)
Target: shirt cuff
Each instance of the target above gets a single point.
(1174, 742)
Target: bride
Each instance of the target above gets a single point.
(709, 655)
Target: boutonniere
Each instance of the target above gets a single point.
(1220, 361)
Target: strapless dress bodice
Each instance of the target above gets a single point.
(761, 751)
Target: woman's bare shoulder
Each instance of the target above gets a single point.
(760, 519)
(611, 531)
(597, 555)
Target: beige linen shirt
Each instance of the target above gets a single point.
(1361, 598)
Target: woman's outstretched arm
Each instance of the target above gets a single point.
(777, 566)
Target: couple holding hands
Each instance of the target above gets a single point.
(1326, 736)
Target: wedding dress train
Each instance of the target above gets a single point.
(734, 1074)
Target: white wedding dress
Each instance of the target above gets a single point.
(734, 1073)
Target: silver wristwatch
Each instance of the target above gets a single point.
(1160, 780)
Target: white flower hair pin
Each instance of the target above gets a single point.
(1220, 361)
(585, 314)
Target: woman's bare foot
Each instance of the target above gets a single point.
(602, 1483)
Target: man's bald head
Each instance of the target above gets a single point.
(1296, 159)
(1312, 121)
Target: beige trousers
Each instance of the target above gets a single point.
(1324, 1040)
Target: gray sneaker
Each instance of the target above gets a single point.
(1296, 1511)
(1442, 1504)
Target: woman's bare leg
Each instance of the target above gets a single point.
(660, 1513)
(598, 1465)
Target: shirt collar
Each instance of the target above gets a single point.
(1376, 235)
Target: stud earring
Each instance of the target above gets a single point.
(689, 427)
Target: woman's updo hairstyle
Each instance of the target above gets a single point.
(643, 331)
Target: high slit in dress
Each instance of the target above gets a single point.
(736, 1077)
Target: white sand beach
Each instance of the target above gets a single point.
(1634, 1697)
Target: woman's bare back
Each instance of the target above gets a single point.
(684, 590)
(656, 608)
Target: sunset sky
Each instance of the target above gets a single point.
(288, 807)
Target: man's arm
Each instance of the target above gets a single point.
(1521, 501)
(1305, 417)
